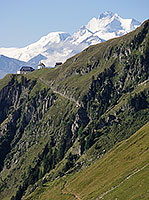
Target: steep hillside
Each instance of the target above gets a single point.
(118, 174)
(58, 121)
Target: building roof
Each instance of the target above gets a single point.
(26, 68)
(41, 64)
(58, 63)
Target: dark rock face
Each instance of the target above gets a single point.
(20, 110)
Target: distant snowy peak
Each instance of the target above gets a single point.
(106, 14)
(92, 40)
(82, 34)
(59, 46)
(109, 25)
(32, 50)
(53, 37)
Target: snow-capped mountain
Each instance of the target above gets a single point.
(39, 47)
(59, 46)
(109, 25)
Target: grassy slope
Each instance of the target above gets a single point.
(5, 81)
(123, 160)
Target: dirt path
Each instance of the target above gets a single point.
(68, 191)
(113, 188)
(108, 191)
(61, 94)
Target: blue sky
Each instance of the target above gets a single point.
(25, 21)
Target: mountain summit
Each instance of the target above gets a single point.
(106, 14)
(109, 25)
(59, 46)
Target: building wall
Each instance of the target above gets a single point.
(18, 72)
(41, 67)
(23, 72)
